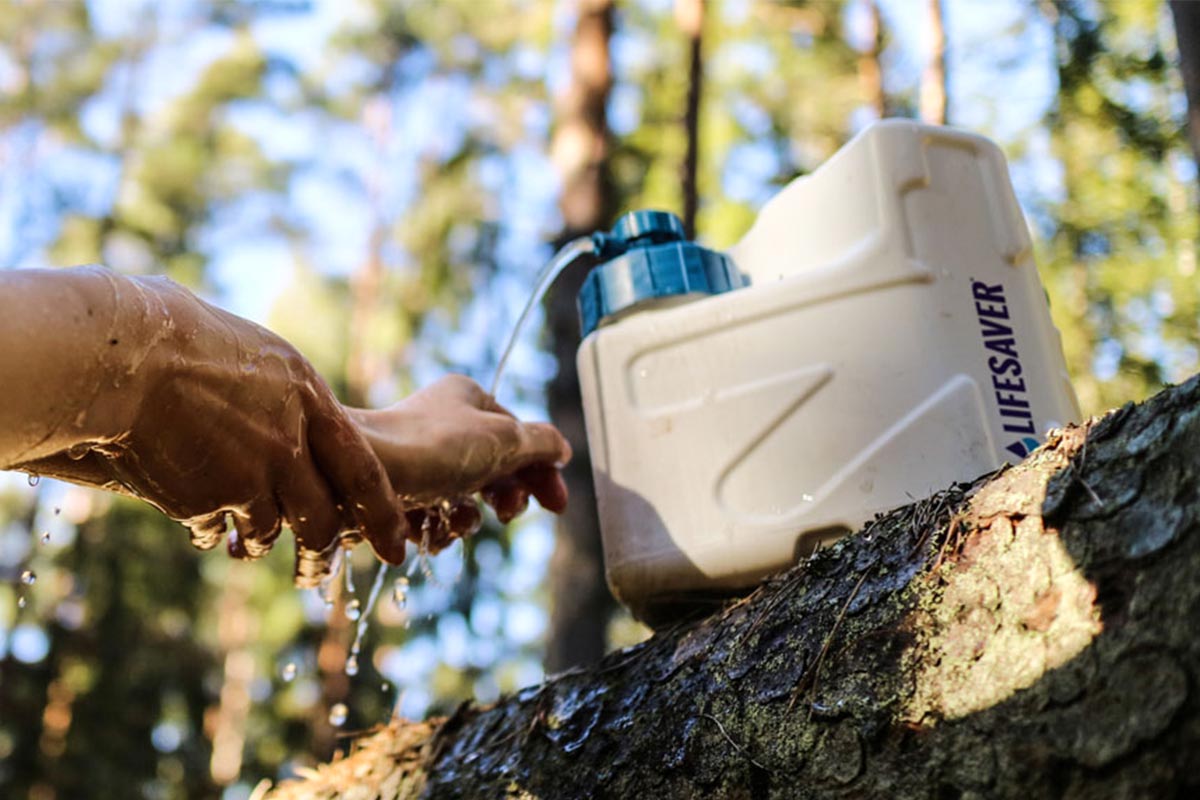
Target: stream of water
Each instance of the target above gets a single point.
(584, 245)
(364, 620)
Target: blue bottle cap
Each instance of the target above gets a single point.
(646, 258)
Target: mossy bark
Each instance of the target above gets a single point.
(1030, 635)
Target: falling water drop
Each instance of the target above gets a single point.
(34, 479)
(46, 537)
(364, 620)
(338, 714)
(353, 609)
(400, 593)
(349, 574)
(28, 577)
(327, 586)
(288, 673)
(22, 602)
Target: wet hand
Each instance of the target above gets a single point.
(218, 418)
(451, 439)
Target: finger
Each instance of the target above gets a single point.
(310, 567)
(310, 511)
(490, 404)
(388, 548)
(540, 442)
(257, 525)
(415, 519)
(206, 531)
(508, 497)
(547, 485)
(467, 390)
(359, 480)
(465, 519)
(429, 528)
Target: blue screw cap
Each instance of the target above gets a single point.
(649, 258)
(650, 227)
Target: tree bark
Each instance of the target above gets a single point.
(1028, 635)
(580, 601)
(934, 97)
(1187, 36)
(689, 14)
(870, 63)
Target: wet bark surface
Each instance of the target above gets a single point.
(1029, 635)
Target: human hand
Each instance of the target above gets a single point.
(451, 439)
(210, 415)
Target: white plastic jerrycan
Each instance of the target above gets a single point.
(878, 334)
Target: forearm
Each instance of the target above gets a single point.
(69, 340)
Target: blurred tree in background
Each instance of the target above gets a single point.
(1120, 228)
(379, 182)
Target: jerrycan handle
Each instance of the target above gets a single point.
(647, 257)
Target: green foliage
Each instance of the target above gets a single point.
(1120, 259)
(780, 88)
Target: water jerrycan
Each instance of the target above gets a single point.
(879, 333)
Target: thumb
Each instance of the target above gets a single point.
(541, 443)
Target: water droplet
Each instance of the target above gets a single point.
(338, 714)
(288, 673)
(385, 687)
(353, 610)
(34, 479)
(808, 498)
(22, 602)
(28, 577)
(400, 593)
(46, 537)
(352, 665)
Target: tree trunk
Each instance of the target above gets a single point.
(580, 600)
(870, 63)
(934, 98)
(235, 632)
(1187, 35)
(690, 16)
(1029, 635)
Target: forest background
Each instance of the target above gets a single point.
(380, 182)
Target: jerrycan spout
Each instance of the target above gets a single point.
(647, 260)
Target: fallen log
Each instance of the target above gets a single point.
(1033, 634)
